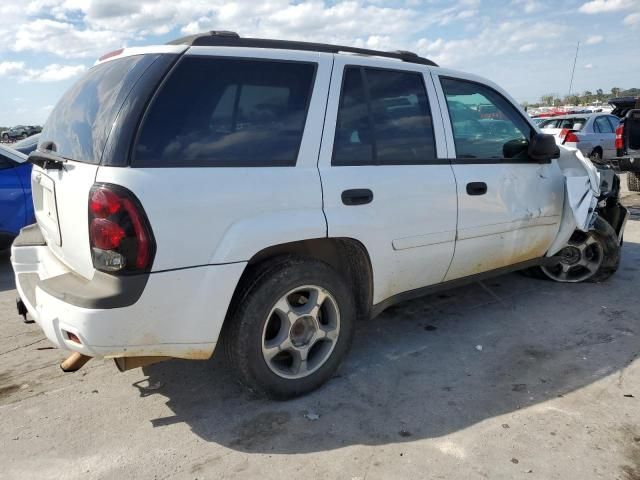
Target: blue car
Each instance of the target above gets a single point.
(16, 205)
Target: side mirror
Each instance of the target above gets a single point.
(632, 129)
(543, 148)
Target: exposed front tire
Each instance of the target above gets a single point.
(291, 326)
(5, 137)
(590, 256)
(633, 181)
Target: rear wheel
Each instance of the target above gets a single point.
(589, 256)
(291, 327)
(633, 181)
(5, 137)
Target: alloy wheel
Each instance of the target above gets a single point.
(579, 260)
(301, 332)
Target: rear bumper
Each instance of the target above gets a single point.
(177, 313)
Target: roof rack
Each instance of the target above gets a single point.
(221, 38)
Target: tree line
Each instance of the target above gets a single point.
(586, 98)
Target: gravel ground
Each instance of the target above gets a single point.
(508, 378)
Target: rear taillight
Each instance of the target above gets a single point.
(563, 133)
(619, 138)
(571, 137)
(120, 237)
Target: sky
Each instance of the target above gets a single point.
(526, 46)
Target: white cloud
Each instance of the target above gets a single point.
(494, 40)
(50, 73)
(528, 47)
(633, 19)
(601, 6)
(588, 66)
(65, 39)
(528, 6)
(594, 39)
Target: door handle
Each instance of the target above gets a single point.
(357, 196)
(476, 188)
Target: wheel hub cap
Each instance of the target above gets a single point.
(302, 331)
(570, 255)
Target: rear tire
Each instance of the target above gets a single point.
(590, 257)
(291, 325)
(633, 181)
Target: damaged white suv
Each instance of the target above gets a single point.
(259, 196)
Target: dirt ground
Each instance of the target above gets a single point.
(508, 378)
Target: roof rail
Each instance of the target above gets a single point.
(222, 38)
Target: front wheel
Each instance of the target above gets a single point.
(591, 256)
(291, 326)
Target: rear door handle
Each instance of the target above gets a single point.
(357, 196)
(476, 188)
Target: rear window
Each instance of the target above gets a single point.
(570, 123)
(79, 125)
(227, 112)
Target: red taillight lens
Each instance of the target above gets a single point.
(105, 234)
(571, 138)
(119, 233)
(619, 139)
(563, 133)
(103, 203)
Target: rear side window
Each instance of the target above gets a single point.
(227, 112)
(80, 123)
(383, 119)
(485, 124)
(602, 125)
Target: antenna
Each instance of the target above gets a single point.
(573, 70)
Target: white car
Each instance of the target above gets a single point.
(261, 195)
(594, 134)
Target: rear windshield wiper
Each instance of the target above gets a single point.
(46, 160)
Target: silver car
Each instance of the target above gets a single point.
(594, 134)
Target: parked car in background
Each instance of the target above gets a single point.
(16, 205)
(27, 145)
(21, 131)
(593, 134)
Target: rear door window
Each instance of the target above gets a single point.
(80, 123)
(383, 119)
(614, 121)
(602, 125)
(227, 112)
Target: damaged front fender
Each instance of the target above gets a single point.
(581, 193)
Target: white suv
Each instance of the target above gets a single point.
(265, 194)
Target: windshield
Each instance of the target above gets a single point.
(80, 123)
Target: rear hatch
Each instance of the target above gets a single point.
(76, 134)
(560, 126)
